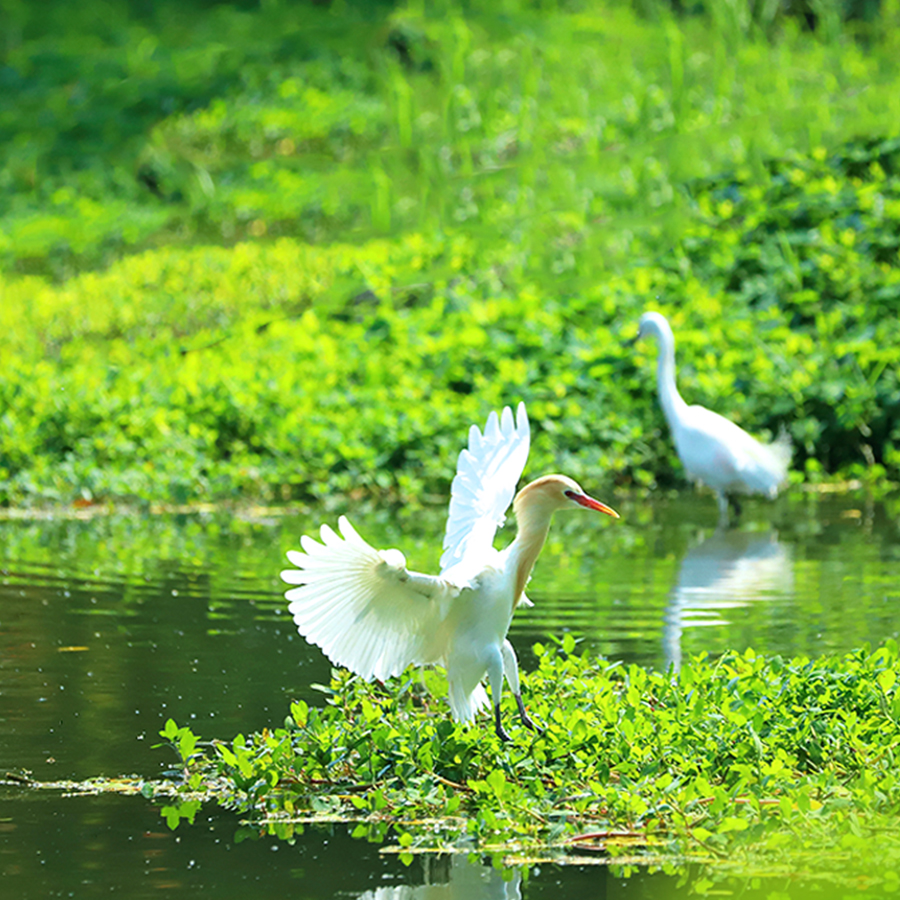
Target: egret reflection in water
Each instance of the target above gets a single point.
(729, 569)
(455, 878)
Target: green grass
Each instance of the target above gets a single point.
(289, 250)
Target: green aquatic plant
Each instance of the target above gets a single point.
(743, 763)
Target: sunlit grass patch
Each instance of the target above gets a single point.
(529, 127)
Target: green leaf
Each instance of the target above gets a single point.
(732, 823)
(170, 731)
(496, 781)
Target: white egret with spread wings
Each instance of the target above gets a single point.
(370, 613)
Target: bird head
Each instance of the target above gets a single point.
(553, 492)
(653, 323)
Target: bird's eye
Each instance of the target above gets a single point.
(570, 494)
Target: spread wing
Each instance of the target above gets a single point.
(486, 477)
(363, 607)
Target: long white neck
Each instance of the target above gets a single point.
(534, 523)
(669, 398)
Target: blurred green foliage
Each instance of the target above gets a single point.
(294, 249)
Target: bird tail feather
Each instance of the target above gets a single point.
(465, 704)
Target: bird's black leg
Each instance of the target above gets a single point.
(511, 667)
(523, 715)
(735, 504)
(495, 676)
(498, 725)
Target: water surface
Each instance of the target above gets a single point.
(110, 625)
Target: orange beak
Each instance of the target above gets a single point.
(591, 503)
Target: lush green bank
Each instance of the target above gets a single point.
(290, 371)
(747, 765)
(295, 250)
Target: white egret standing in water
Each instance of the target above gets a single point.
(370, 613)
(712, 449)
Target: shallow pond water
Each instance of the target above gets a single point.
(110, 625)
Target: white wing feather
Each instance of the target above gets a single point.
(363, 607)
(486, 477)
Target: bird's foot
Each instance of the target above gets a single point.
(527, 721)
